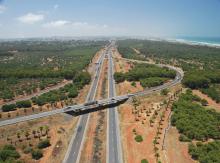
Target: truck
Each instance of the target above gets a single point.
(91, 103)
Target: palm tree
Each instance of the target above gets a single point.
(157, 155)
(151, 121)
(25, 111)
(19, 136)
(41, 129)
(27, 134)
(34, 133)
(46, 130)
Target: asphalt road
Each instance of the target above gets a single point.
(114, 152)
(74, 150)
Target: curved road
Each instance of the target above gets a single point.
(114, 150)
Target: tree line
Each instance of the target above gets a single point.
(68, 91)
(148, 75)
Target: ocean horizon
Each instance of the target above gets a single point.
(213, 41)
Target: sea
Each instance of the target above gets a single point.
(209, 41)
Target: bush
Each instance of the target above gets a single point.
(212, 92)
(119, 77)
(82, 79)
(9, 147)
(27, 150)
(183, 138)
(164, 92)
(138, 138)
(43, 144)
(205, 152)
(37, 154)
(152, 82)
(7, 108)
(204, 102)
(73, 92)
(8, 152)
(23, 104)
(144, 161)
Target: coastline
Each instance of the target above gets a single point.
(191, 42)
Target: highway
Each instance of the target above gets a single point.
(114, 151)
(74, 150)
(114, 148)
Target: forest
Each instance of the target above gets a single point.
(193, 120)
(29, 66)
(201, 64)
(205, 152)
(68, 91)
(148, 75)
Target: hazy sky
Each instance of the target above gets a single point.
(160, 18)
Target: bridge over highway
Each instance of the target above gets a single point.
(73, 110)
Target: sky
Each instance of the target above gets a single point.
(148, 18)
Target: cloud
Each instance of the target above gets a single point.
(56, 6)
(58, 23)
(76, 28)
(73, 25)
(2, 9)
(31, 18)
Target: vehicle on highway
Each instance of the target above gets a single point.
(91, 103)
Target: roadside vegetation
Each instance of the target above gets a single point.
(68, 91)
(30, 66)
(205, 152)
(201, 64)
(196, 123)
(30, 142)
(193, 120)
(148, 75)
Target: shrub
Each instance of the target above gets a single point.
(164, 92)
(7, 108)
(205, 152)
(9, 147)
(43, 144)
(37, 154)
(144, 161)
(23, 104)
(138, 138)
(8, 152)
(27, 150)
(183, 138)
(204, 102)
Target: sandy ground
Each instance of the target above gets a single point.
(124, 66)
(211, 103)
(61, 127)
(94, 148)
(176, 151)
(139, 119)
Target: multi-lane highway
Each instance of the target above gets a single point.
(114, 152)
(74, 150)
